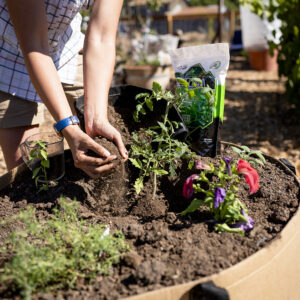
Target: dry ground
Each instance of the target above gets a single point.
(256, 114)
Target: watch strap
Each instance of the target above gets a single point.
(59, 126)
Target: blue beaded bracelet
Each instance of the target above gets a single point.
(59, 126)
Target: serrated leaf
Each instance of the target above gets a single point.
(159, 172)
(138, 185)
(162, 126)
(172, 171)
(137, 163)
(194, 205)
(156, 87)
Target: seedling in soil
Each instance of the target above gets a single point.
(249, 155)
(155, 151)
(55, 253)
(38, 155)
(216, 188)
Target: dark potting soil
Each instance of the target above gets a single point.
(166, 248)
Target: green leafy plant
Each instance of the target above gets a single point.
(216, 188)
(288, 48)
(38, 156)
(247, 154)
(58, 251)
(155, 151)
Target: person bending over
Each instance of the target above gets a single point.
(39, 44)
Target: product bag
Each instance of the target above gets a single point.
(203, 113)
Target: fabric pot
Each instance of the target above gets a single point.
(271, 273)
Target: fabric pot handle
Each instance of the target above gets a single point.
(208, 291)
(288, 164)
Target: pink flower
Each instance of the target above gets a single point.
(251, 175)
(188, 189)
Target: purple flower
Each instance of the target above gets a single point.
(219, 197)
(201, 166)
(188, 189)
(246, 226)
(227, 161)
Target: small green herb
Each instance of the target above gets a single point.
(57, 252)
(38, 155)
(253, 156)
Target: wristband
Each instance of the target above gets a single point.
(59, 126)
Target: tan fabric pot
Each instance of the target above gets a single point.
(144, 76)
(271, 273)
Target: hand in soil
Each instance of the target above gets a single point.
(80, 143)
(106, 130)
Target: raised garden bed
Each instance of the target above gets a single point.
(167, 249)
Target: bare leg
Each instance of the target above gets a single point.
(10, 140)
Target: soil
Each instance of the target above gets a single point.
(166, 248)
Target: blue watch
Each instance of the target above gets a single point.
(59, 126)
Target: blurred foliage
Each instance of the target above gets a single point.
(231, 4)
(288, 48)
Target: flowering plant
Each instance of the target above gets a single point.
(216, 188)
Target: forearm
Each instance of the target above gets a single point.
(45, 79)
(99, 61)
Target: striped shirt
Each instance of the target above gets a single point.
(65, 41)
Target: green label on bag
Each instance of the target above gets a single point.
(207, 101)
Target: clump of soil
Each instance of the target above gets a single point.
(167, 248)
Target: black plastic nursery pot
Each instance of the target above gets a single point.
(271, 273)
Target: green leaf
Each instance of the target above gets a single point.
(35, 172)
(136, 116)
(235, 149)
(138, 185)
(183, 82)
(225, 228)
(194, 205)
(191, 94)
(259, 155)
(247, 149)
(137, 163)
(141, 95)
(149, 104)
(162, 126)
(156, 87)
(191, 164)
(195, 79)
(172, 171)
(45, 163)
(159, 172)
(44, 154)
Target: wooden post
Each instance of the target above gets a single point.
(220, 19)
(170, 23)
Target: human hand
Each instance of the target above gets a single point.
(80, 143)
(105, 129)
